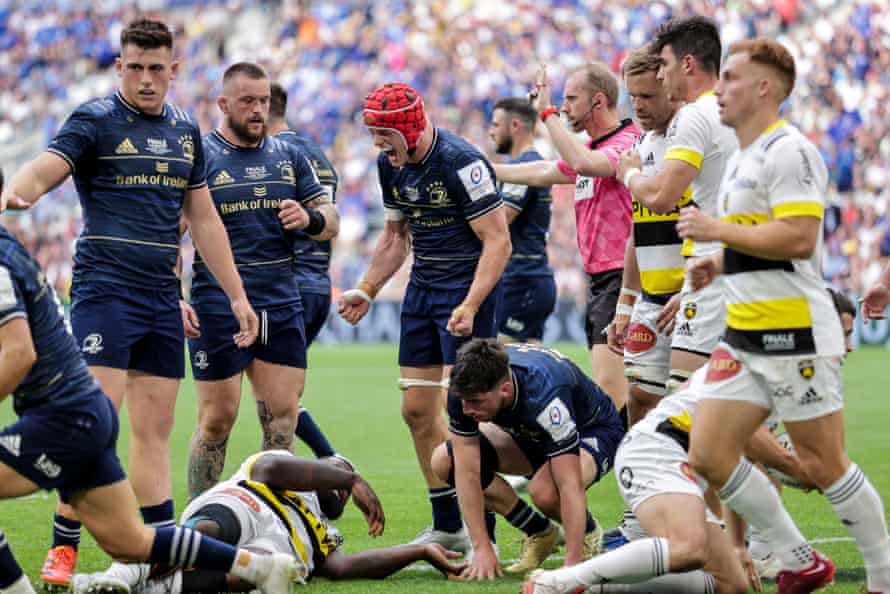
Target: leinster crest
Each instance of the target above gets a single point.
(188, 147)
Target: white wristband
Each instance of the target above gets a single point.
(629, 174)
(623, 309)
(631, 292)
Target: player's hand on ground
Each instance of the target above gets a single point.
(441, 558)
(750, 570)
(461, 321)
(292, 215)
(367, 501)
(353, 305)
(540, 93)
(248, 325)
(627, 160)
(875, 301)
(11, 201)
(616, 333)
(694, 224)
(190, 322)
(484, 566)
(665, 320)
(701, 271)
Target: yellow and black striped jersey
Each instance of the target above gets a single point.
(697, 137)
(777, 307)
(656, 242)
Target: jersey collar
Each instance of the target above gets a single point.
(222, 139)
(621, 126)
(774, 126)
(136, 110)
(430, 152)
(706, 94)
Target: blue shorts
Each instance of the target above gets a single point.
(129, 328)
(600, 440)
(527, 303)
(316, 308)
(425, 314)
(282, 341)
(70, 448)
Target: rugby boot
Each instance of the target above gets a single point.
(58, 567)
(543, 582)
(816, 576)
(281, 573)
(536, 548)
(593, 543)
(98, 583)
(453, 541)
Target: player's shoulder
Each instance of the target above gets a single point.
(528, 156)
(178, 114)
(779, 139)
(96, 108)
(455, 150)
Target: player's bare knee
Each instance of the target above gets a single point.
(734, 584)
(441, 462)
(418, 418)
(545, 497)
(705, 463)
(216, 428)
(689, 550)
(824, 471)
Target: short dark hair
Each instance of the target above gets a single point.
(519, 107)
(695, 36)
(842, 303)
(147, 34)
(277, 102)
(481, 365)
(248, 69)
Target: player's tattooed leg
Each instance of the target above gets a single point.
(206, 461)
(278, 433)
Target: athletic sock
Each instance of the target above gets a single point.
(446, 511)
(311, 434)
(490, 521)
(750, 493)
(10, 570)
(859, 507)
(66, 532)
(160, 515)
(524, 517)
(634, 562)
(175, 546)
(691, 582)
(20, 586)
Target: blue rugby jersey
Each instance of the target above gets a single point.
(439, 196)
(131, 171)
(313, 258)
(529, 229)
(248, 185)
(59, 376)
(554, 400)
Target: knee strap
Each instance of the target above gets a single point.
(677, 378)
(405, 383)
(229, 526)
(647, 379)
(488, 464)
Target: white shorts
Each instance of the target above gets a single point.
(701, 319)
(649, 464)
(795, 388)
(647, 352)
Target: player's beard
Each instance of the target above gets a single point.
(243, 133)
(504, 146)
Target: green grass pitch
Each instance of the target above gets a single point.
(352, 393)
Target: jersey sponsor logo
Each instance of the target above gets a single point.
(286, 170)
(162, 167)
(92, 344)
(12, 443)
(411, 193)
(583, 188)
(7, 292)
(649, 161)
(690, 309)
(514, 325)
(126, 148)
(476, 179)
(47, 466)
(722, 366)
(639, 338)
(255, 173)
(260, 191)
(157, 146)
(626, 476)
(188, 147)
(243, 497)
(806, 369)
(778, 341)
(684, 329)
(810, 397)
(556, 420)
(222, 178)
(438, 193)
(201, 361)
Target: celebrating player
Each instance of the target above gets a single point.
(312, 257)
(138, 164)
(783, 346)
(523, 409)
(602, 204)
(439, 187)
(698, 146)
(528, 284)
(260, 187)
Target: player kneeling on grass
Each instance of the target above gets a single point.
(280, 503)
(65, 439)
(525, 409)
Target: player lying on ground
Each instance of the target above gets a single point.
(280, 503)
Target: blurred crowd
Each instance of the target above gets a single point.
(463, 56)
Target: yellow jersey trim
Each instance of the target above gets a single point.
(694, 158)
(798, 209)
(773, 314)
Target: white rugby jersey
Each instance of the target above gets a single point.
(674, 413)
(697, 137)
(656, 242)
(777, 307)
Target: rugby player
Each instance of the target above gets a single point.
(782, 350)
(279, 503)
(529, 287)
(312, 257)
(602, 203)
(440, 199)
(525, 409)
(65, 439)
(138, 164)
(698, 146)
(265, 191)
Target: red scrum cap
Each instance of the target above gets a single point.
(396, 106)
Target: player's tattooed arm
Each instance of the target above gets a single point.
(278, 432)
(206, 461)
(325, 206)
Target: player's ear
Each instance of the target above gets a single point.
(118, 66)
(223, 104)
(174, 69)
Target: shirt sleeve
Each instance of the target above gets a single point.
(11, 303)
(566, 170)
(459, 423)
(76, 141)
(325, 172)
(391, 210)
(688, 137)
(308, 187)
(198, 178)
(796, 180)
(557, 419)
(473, 181)
(516, 196)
